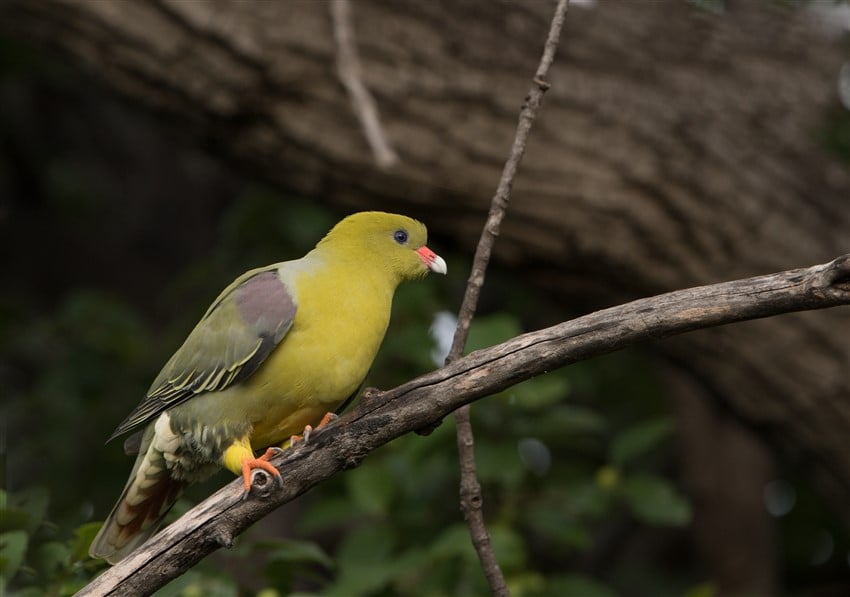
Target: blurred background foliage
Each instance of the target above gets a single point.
(116, 234)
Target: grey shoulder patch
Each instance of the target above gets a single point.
(265, 304)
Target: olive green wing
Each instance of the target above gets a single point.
(237, 333)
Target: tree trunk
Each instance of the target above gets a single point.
(676, 147)
(725, 468)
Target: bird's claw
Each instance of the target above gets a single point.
(304, 437)
(308, 429)
(256, 472)
(260, 483)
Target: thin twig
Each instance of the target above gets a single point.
(350, 73)
(471, 500)
(380, 417)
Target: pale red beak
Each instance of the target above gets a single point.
(434, 262)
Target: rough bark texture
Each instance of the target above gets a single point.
(677, 147)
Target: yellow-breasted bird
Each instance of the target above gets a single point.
(282, 346)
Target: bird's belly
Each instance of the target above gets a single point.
(294, 389)
(273, 431)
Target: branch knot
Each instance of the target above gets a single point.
(542, 84)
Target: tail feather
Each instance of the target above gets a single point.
(148, 496)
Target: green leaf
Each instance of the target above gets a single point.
(656, 501)
(525, 583)
(79, 544)
(70, 587)
(362, 561)
(492, 329)
(328, 513)
(508, 546)
(562, 419)
(13, 548)
(607, 478)
(585, 498)
(540, 392)
(200, 584)
(372, 488)
(33, 501)
(564, 515)
(639, 440)
(292, 550)
(50, 557)
(499, 462)
(12, 519)
(290, 558)
(560, 528)
(453, 542)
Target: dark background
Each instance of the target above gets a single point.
(678, 146)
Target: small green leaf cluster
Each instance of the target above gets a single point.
(35, 559)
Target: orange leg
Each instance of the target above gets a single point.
(308, 429)
(262, 462)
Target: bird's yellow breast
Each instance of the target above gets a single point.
(340, 321)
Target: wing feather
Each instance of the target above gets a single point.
(235, 336)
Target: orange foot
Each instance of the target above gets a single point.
(262, 462)
(309, 429)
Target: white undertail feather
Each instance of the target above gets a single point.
(149, 494)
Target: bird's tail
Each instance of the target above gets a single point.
(148, 496)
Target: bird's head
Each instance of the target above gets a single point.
(386, 240)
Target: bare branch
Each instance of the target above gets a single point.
(471, 499)
(383, 416)
(348, 67)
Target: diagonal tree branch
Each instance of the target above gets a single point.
(471, 499)
(383, 416)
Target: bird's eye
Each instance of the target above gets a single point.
(400, 236)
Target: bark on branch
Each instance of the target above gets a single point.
(383, 416)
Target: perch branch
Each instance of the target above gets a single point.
(471, 498)
(350, 73)
(383, 416)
